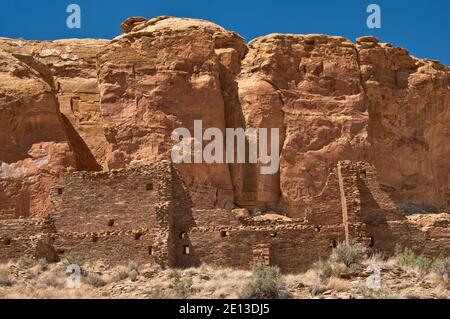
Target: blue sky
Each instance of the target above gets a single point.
(421, 26)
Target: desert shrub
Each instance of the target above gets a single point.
(442, 266)
(133, 266)
(94, 280)
(182, 286)
(323, 269)
(121, 273)
(408, 258)
(266, 283)
(133, 275)
(348, 254)
(5, 278)
(26, 262)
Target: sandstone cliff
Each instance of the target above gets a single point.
(73, 63)
(332, 99)
(34, 147)
(163, 74)
(336, 100)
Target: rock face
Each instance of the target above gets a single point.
(408, 102)
(73, 63)
(120, 100)
(34, 147)
(29, 110)
(163, 74)
(338, 101)
(310, 87)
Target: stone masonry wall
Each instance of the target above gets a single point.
(374, 219)
(145, 214)
(292, 247)
(352, 207)
(18, 237)
(117, 214)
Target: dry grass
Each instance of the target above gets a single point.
(37, 279)
(95, 280)
(30, 292)
(441, 272)
(338, 284)
(217, 283)
(310, 277)
(439, 279)
(5, 276)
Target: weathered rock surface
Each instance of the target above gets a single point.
(408, 102)
(73, 63)
(164, 74)
(34, 148)
(309, 86)
(333, 100)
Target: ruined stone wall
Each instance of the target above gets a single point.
(292, 247)
(13, 202)
(111, 247)
(352, 206)
(326, 207)
(18, 237)
(112, 215)
(374, 219)
(145, 214)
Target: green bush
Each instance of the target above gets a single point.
(182, 286)
(352, 254)
(408, 258)
(266, 283)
